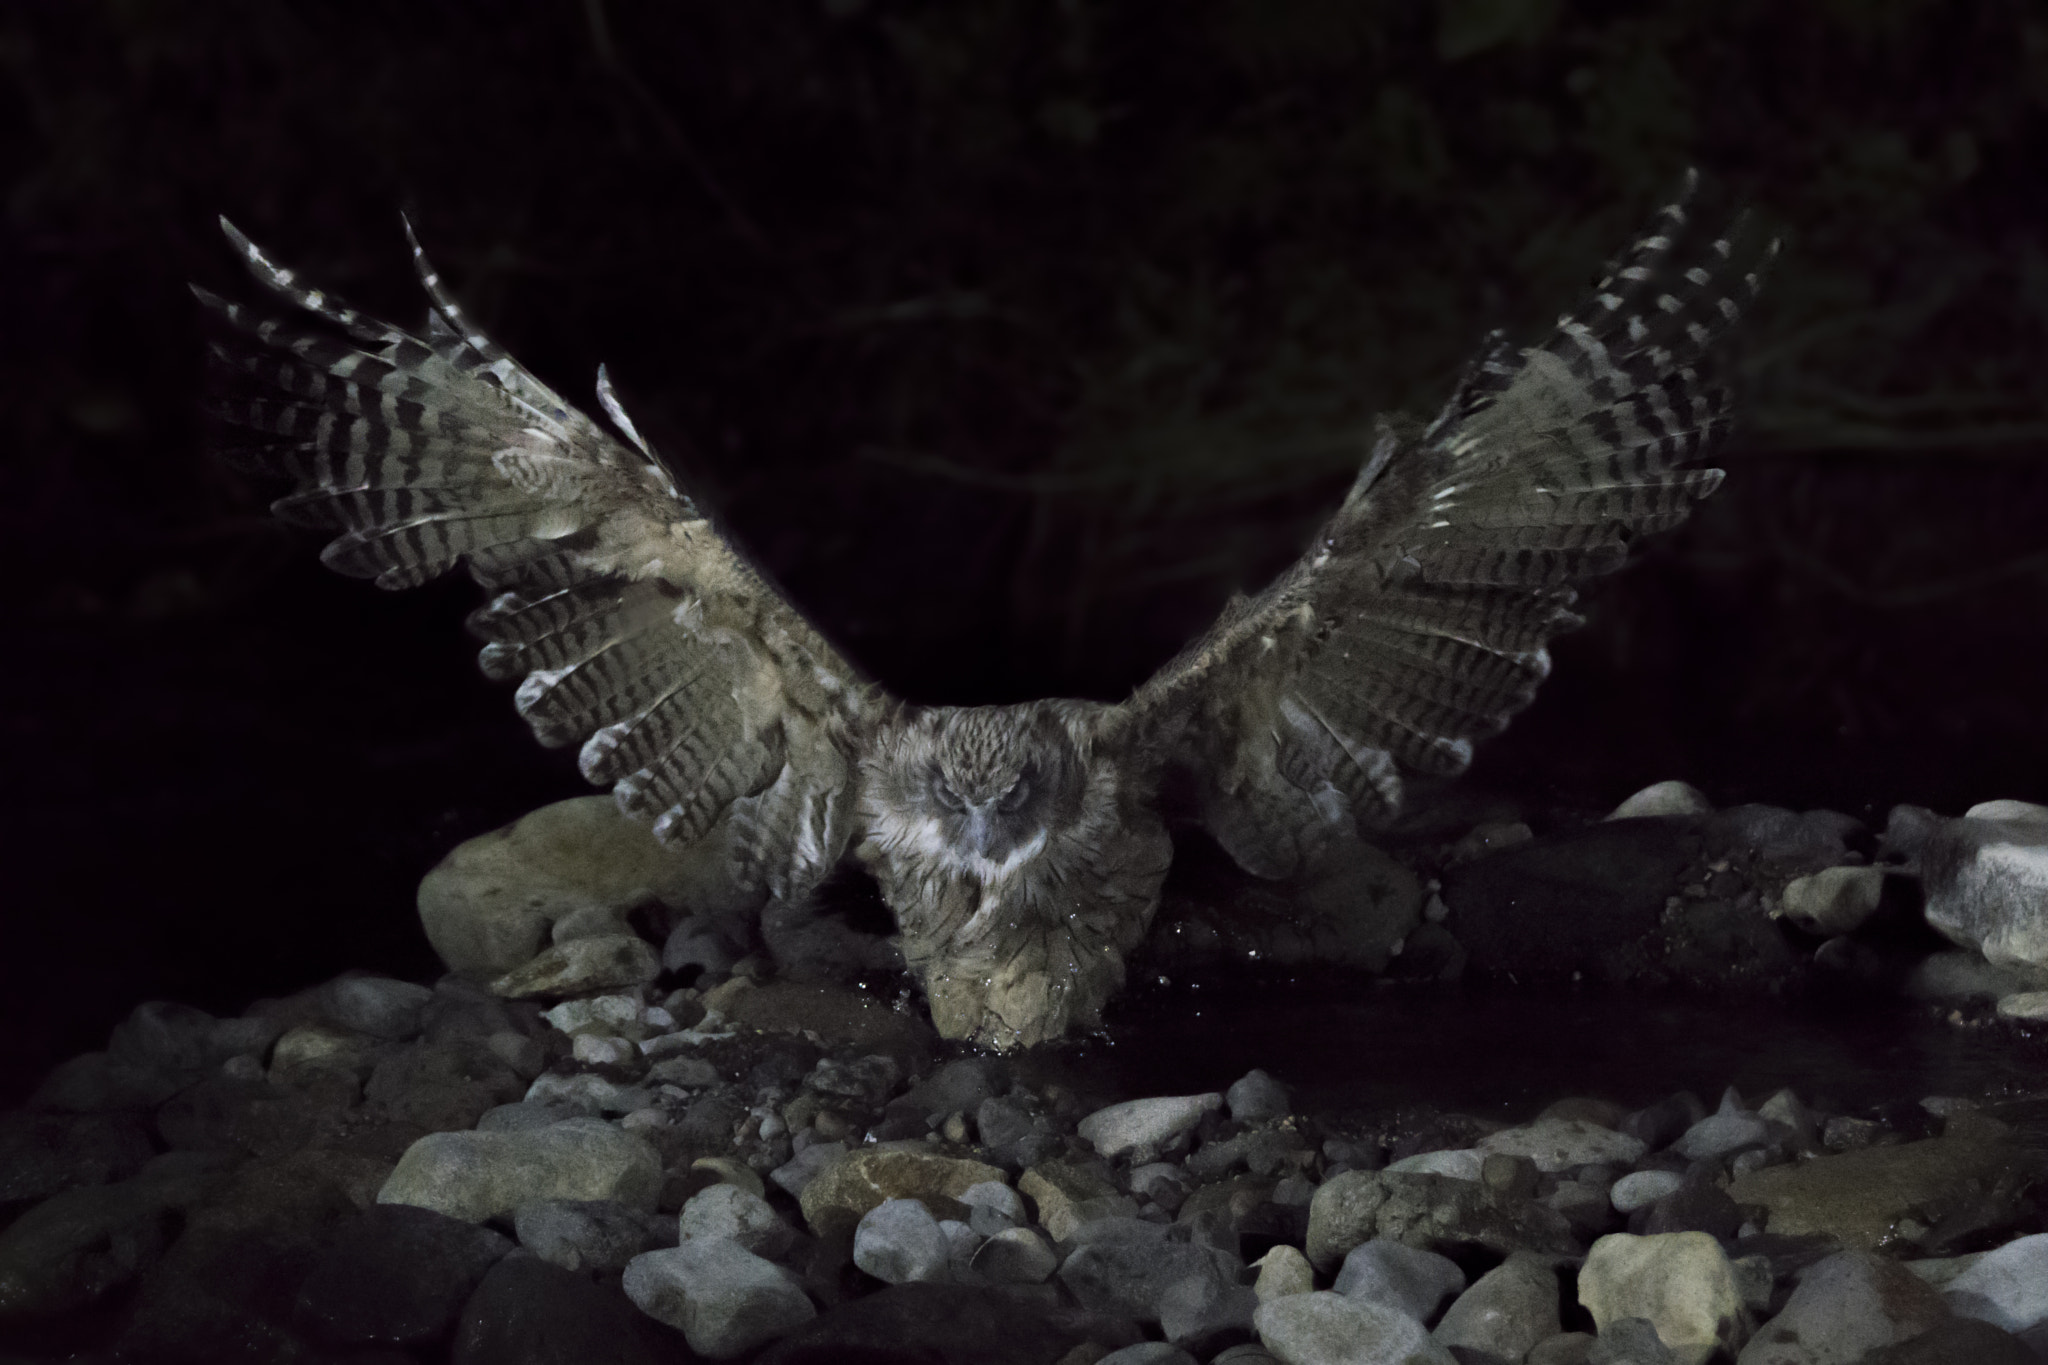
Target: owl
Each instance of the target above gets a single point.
(1020, 848)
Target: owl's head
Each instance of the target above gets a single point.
(977, 789)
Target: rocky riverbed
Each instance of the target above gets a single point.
(581, 1160)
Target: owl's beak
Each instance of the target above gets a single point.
(980, 829)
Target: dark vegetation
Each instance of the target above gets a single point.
(1010, 335)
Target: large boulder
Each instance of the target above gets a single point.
(494, 901)
(1986, 878)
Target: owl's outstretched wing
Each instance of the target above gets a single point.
(637, 632)
(1418, 621)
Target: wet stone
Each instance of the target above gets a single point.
(396, 1274)
(1141, 1129)
(1399, 1277)
(1014, 1136)
(475, 1176)
(1282, 1271)
(1015, 1256)
(1640, 1189)
(1722, 1132)
(728, 1211)
(844, 1189)
(1256, 1097)
(956, 1324)
(1845, 1306)
(527, 1312)
(1680, 1281)
(2008, 1288)
(1506, 1312)
(582, 966)
(898, 1241)
(1129, 1278)
(1630, 1341)
(585, 1234)
(1558, 1144)
(1663, 1123)
(380, 1006)
(44, 1153)
(1149, 1353)
(725, 1299)
(1323, 1328)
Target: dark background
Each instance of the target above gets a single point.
(1010, 336)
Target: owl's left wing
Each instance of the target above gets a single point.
(636, 630)
(1419, 619)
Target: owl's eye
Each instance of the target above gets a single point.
(946, 796)
(1016, 796)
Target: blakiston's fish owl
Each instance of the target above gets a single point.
(1019, 846)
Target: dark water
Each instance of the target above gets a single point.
(1505, 1053)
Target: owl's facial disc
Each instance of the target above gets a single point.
(990, 814)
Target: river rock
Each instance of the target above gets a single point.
(1859, 1196)
(1149, 1353)
(380, 1006)
(1462, 1163)
(527, 1312)
(475, 1176)
(726, 1300)
(489, 906)
(898, 1241)
(72, 1248)
(845, 1188)
(227, 1288)
(1282, 1271)
(1015, 1256)
(2028, 1006)
(602, 962)
(947, 1324)
(1986, 885)
(43, 1153)
(1557, 1144)
(1726, 1130)
(1141, 1129)
(396, 1275)
(1324, 1328)
(586, 1234)
(1834, 900)
(96, 1082)
(1256, 1097)
(1067, 1194)
(1680, 1281)
(1640, 1189)
(1400, 1277)
(1129, 1278)
(1013, 1135)
(1633, 1341)
(730, 1211)
(1199, 1310)
(442, 1086)
(1506, 1312)
(1663, 798)
(2008, 1288)
(1848, 1304)
(1429, 1211)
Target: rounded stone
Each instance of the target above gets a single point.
(475, 1176)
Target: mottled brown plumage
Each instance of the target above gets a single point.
(1020, 847)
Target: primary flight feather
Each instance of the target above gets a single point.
(1021, 848)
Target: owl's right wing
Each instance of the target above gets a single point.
(636, 630)
(1418, 621)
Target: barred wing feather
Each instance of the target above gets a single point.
(1419, 620)
(634, 628)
